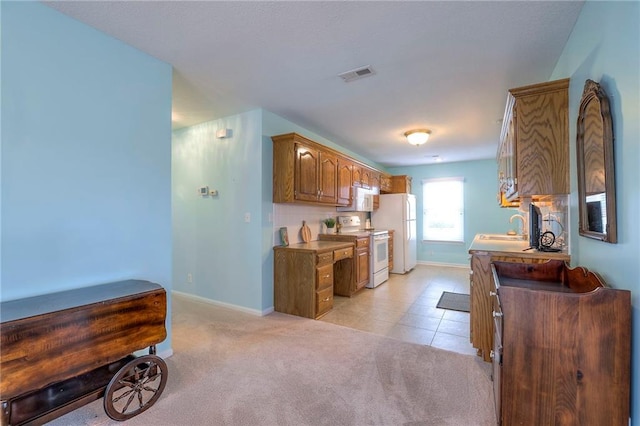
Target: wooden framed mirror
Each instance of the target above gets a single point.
(596, 179)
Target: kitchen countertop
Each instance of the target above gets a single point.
(345, 235)
(513, 247)
(318, 246)
(354, 234)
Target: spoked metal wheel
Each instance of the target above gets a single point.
(136, 387)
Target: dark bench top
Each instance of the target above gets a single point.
(37, 305)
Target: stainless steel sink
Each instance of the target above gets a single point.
(501, 237)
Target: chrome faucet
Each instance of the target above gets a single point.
(523, 228)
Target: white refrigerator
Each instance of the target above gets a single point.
(398, 212)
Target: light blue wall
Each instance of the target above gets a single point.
(482, 213)
(212, 241)
(605, 47)
(230, 260)
(86, 157)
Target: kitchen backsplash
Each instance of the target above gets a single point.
(555, 212)
(292, 215)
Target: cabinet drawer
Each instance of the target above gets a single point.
(324, 301)
(324, 276)
(362, 242)
(325, 258)
(343, 253)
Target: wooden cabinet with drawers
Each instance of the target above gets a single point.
(562, 352)
(482, 288)
(361, 263)
(305, 275)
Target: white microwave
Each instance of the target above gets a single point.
(361, 201)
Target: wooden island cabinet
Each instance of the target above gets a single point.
(562, 349)
(482, 286)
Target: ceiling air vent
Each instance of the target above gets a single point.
(356, 74)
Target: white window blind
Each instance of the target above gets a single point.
(443, 209)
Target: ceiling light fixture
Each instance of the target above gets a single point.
(418, 136)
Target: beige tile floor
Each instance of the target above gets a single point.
(404, 308)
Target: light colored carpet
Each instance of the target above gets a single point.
(232, 368)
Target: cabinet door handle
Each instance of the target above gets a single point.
(325, 300)
(492, 354)
(492, 293)
(497, 314)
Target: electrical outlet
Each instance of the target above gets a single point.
(189, 278)
(247, 217)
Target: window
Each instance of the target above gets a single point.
(443, 209)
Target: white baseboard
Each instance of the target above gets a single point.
(223, 304)
(165, 354)
(449, 265)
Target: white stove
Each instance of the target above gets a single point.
(379, 247)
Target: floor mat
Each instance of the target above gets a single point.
(454, 301)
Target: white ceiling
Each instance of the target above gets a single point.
(444, 65)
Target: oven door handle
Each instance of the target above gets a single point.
(380, 238)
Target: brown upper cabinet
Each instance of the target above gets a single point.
(315, 175)
(328, 180)
(533, 156)
(344, 181)
(361, 176)
(307, 172)
(375, 180)
(385, 183)
(401, 184)
(303, 171)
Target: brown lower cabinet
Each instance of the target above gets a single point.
(482, 287)
(562, 348)
(361, 263)
(306, 274)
